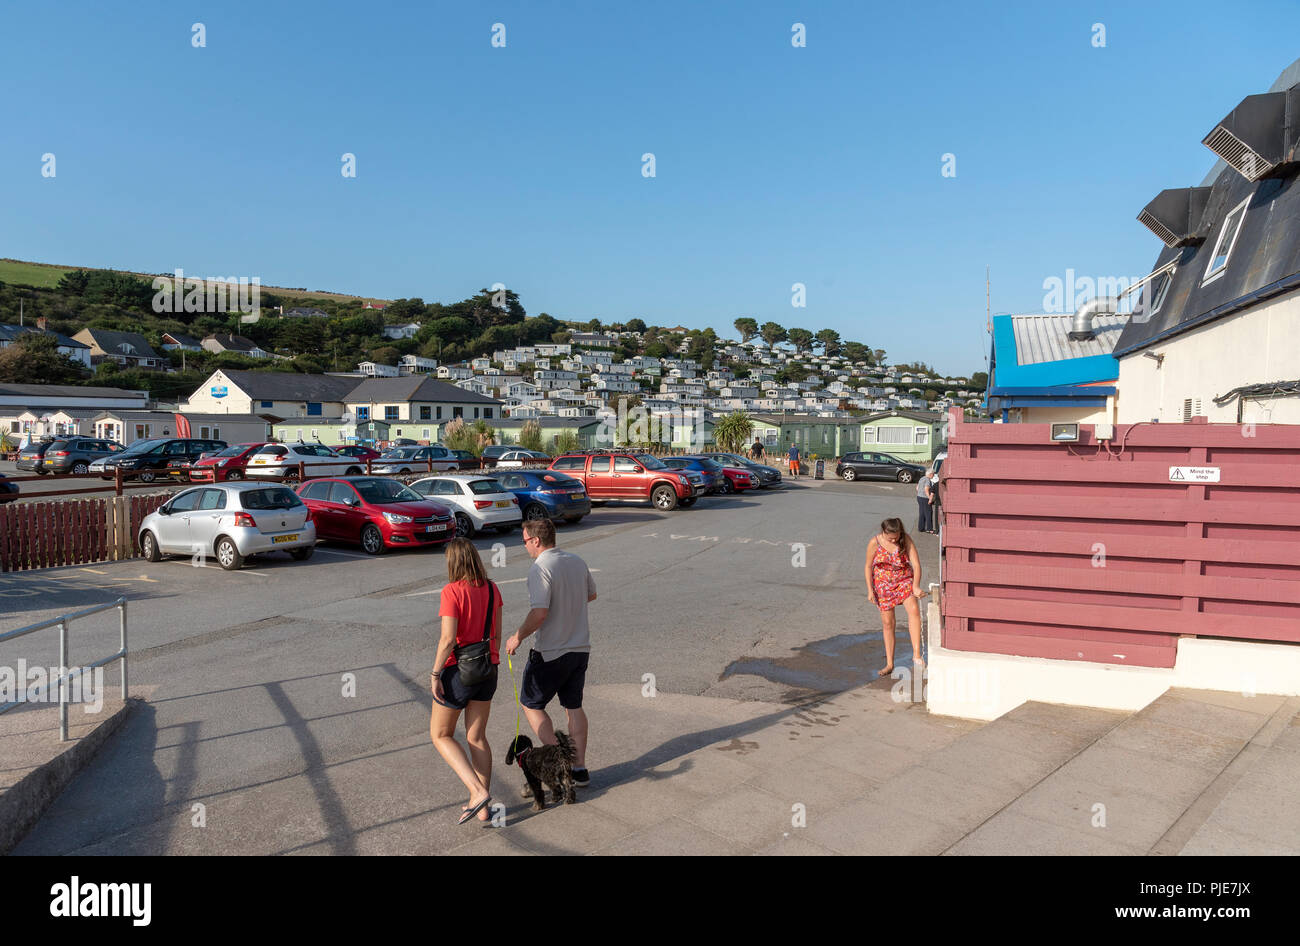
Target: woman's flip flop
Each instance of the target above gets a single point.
(469, 813)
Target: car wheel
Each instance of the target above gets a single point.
(235, 475)
(535, 511)
(664, 497)
(849, 474)
(301, 555)
(149, 547)
(905, 476)
(372, 540)
(353, 471)
(228, 554)
(464, 527)
(146, 476)
(728, 488)
(80, 469)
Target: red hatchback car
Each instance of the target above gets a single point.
(377, 512)
(228, 464)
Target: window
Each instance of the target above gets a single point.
(600, 464)
(921, 436)
(458, 412)
(216, 433)
(390, 412)
(570, 463)
(142, 431)
(313, 434)
(363, 413)
(185, 502)
(487, 412)
(893, 435)
(623, 465)
(318, 490)
(1158, 289)
(1227, 239)
(868, 435)
(266, 403)
(213, 499)
(203, 432)
(14, 427)
(424, 434)
(439, 414)
(300, 433)
(313, 409)
(342, 493)
(426, 413)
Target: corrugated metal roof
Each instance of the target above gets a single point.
(1043, 338)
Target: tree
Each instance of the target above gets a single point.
(772, 334)
(856, 351)
(530, 437)
(566, 441)
(829, 339)
(732, 432)
(459, 435)
(34, 358)
(979, 380)
(878, 357)
(635, 325)
(747, 328)
(801, 338)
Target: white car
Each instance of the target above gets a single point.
(401, 460)
(231, 521)
(521, 457)
(476, 500)
(282, 459)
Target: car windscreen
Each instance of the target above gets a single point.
(400, 453)
(273, 497)
(380, 492)
(230, 451)
(486, 486)
(650, 462)
(143, 446)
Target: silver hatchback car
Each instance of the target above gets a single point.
(231, 521)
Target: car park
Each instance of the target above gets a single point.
(230, 521)
(417, 459)
(224, 465)
(712, 479)
(547, 494)
(736, 480)
(478, 502)
(75, 454)
(766, 476)
(31, 459)
(376, 512)
(8, 490)
(493, 453)
(519, 457)
(466, 460)
(627, 475)
(148, 460)
(283, 459)
(867, 465)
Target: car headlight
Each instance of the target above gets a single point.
(684, 480)
(396, 518)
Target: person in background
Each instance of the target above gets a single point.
(936, 505)
(756, 450)
(923, 520)
(794, 459)
(463, 609)
(893, 574)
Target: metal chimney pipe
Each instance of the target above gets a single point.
(1082, 329)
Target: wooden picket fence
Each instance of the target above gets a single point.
(72, 532)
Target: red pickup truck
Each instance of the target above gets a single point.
(627, 475)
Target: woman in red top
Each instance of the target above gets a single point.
(464, 610)
(893, 576)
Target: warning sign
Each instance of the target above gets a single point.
(1193, 474)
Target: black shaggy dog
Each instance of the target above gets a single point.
(546, 765)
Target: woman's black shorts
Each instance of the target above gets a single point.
(456, 695)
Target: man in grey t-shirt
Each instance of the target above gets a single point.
(559, 588)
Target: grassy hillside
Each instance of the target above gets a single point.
(47, 276)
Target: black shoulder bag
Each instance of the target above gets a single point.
(475, 660)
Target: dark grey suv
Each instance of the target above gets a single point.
(75, 454)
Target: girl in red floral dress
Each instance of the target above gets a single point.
(893, 574)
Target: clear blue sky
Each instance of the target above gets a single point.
(522, 164)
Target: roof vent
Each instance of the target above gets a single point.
(1260, 135)
(1081, 329)
(1176, 215)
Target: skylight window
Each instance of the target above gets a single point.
(1227, 239)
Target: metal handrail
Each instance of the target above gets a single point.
(65, 677)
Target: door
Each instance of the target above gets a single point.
(348, 518)
(173, 529)
(600, 477)
(205, 520)
(629, 479)
(317, 495)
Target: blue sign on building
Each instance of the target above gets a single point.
(220, 390)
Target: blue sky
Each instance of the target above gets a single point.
(522, 165)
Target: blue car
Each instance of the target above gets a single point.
(546, 494)
(715, 481)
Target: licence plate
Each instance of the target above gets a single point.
(258, 462)
(502, 503)
(285, 538)
(436, 527)
(575, 497)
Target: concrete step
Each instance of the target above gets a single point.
(1148, 785)
(956, 786)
